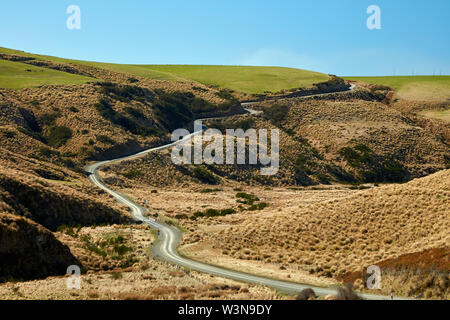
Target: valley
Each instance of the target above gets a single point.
(363, 180)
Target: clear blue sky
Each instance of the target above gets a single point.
(327, 35)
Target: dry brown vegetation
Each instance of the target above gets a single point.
(330, 238)
(341, 138)
(54, 203)
(144, 278)
(29, 251)
(320, 235)
(68, 125)
(422, 274)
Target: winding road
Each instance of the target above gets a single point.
(167, 243)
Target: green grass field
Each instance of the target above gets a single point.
(16, 75)
(243, 78)
(427, 88)
(443, 115)
(239, 78)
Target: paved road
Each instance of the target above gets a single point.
(167, 243)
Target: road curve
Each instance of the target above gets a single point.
(167, 243)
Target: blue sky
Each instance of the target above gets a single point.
(328, 36)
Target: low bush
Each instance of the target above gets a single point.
(105, 139)
(225, 94)
(214, 213)
(58, 136)
(210, 190)
(47, 152)
(132, 174)
(250, 199)
(49, 119)
(372, 167)
(276, 113)
(204, 175)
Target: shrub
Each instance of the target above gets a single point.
(133, 174)
(126, 93)
(212, 213)
(198, 214)
(249, 198)
(243, 124)
(258, 206)
(173, 110)
(373, 167)
(121, 249)
(225, 212)
(134, 112)
(447, 161)
(210, 190)
(204, 175)
(358, 156)
(68, 154)
(276, 113)
(95, 249)
(107, 112)
(49, 119)
(73, 109)
(225, 94)
(58, 136)
(47, 152)
(199, 89)
(69, 163)
(105, 139)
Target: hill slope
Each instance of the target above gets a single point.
(421, 88)
(253, 80)
(250, 80)
(17, 75)
(334, 237)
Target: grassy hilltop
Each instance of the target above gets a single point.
(244, 79)
(425, 88)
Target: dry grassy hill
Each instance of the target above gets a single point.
(341, 138)
(50, 132)
(39, 197)
(332, 238)
(29, 251)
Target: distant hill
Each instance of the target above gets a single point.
(422, 88)
(244, 79)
